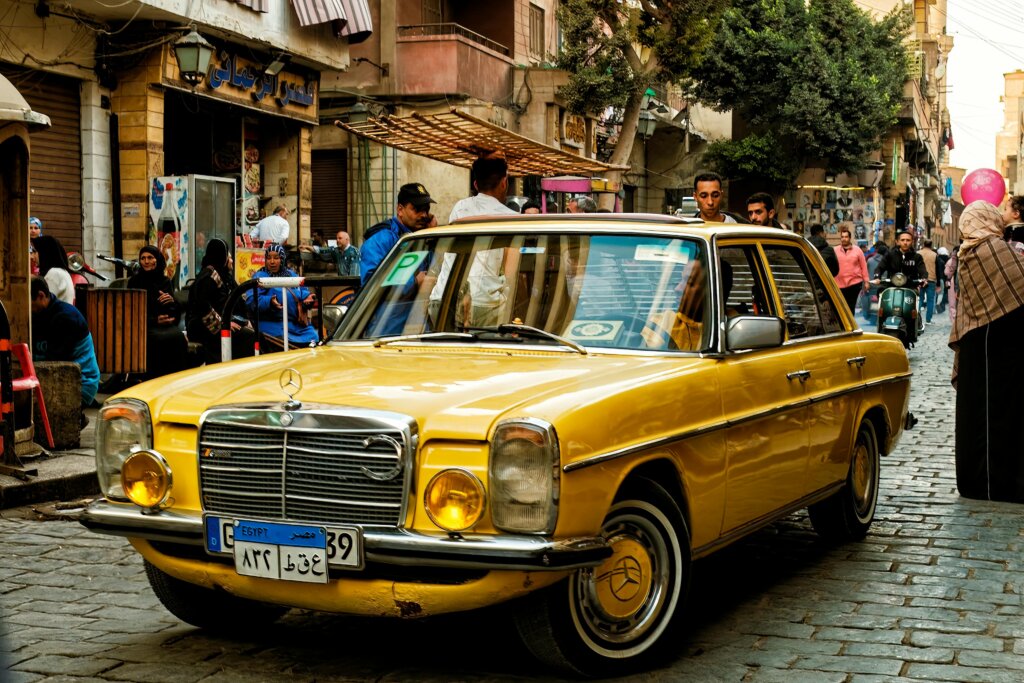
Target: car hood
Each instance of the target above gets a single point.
(452, 392)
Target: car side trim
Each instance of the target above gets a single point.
(519, 552)
(761, 521)
(723, 424)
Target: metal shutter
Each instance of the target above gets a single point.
(330, 192)
(55, 168)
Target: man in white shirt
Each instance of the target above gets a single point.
(274, 228)
(487, 289)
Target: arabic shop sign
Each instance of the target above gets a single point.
(236, 79)
(232, 73)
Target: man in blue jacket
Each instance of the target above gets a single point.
(59, 332)
(412, 214)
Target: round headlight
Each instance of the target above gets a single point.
(454, 500)
(899, 279)
(146, 478)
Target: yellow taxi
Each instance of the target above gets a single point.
(564, 412)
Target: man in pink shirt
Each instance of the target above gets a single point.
(852, 277)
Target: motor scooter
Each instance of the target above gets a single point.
(898, 311)
(77, 266)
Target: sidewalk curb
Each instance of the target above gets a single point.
(61, 476)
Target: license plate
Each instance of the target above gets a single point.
(292, 552)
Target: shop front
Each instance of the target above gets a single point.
(213, 159)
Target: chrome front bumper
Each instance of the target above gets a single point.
(391, 546)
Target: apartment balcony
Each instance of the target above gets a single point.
(921, 126)
(449, 59)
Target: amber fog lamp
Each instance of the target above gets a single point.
(146, 478)
(454, 500)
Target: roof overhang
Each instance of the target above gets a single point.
(459, 138)
(13, 107)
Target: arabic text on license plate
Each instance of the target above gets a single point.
(343, 544)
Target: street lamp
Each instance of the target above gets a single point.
(193, 53)
(645, 126)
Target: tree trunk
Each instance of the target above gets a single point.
(623, 148)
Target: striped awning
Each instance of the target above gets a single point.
(353, 16)
(459, 138)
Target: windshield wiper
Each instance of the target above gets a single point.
(537, 333)
(427, 336)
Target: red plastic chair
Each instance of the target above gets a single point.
(29, 381)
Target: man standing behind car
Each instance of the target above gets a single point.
(707, 190)
(411, 214)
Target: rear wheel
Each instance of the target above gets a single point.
(620, 615)
(847, 514)
(208, 608)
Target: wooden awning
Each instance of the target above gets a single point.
(459, 138)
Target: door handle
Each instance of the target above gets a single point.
(802, 375)
(857, 360)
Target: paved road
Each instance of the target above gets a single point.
(933, 593)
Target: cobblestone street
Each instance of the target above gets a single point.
(933, 593)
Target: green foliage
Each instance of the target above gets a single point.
(615, 50)
(821, 81)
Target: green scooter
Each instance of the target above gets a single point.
(898, 309)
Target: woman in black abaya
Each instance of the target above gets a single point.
(166, 346)
(987, 373)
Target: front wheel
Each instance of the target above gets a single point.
(208, 608)
(847, 514)
(619, 616)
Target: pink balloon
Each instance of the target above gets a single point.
(983, 184)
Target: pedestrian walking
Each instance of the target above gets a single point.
(987, 372)
(941, 258)
(818, 241)
(930, 259)
(852, 277)
(952, 282)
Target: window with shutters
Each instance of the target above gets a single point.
(330, 192)
(536, 32)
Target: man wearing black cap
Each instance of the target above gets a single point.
(412, 214)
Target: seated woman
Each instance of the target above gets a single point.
(272, 311)
(166, 346)
(206, 300)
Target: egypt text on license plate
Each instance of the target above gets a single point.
(291, 552)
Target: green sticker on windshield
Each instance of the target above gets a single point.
(405, 269)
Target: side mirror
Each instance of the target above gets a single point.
(332, 314)
(754, 332)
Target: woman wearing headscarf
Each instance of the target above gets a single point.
(272, 310)
(987, 373)
(53, 266)
(206, 300)
(166, 346)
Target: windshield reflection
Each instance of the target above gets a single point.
(610, 291)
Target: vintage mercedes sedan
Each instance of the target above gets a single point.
(564, 412)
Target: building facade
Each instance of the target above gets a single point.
(125, 122)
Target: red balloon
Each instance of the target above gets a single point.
(983, 184)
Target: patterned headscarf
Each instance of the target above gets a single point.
(990, 272)
(33, 221)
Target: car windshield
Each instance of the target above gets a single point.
(610, 291)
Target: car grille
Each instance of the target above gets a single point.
(301, 475)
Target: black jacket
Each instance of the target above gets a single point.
(827, 252)
(895, 261)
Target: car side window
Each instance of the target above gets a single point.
(807, 307)
(742, 289)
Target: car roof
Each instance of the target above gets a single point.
(584, 222)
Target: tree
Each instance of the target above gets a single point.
(819, 81)
(614, 50)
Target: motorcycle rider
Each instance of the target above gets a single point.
(902, 259)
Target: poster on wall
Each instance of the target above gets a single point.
(834, 209)
(168, 220)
